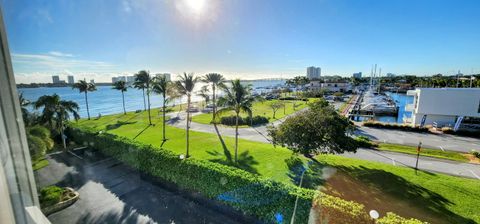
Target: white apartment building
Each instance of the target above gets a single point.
(330, 86)
(167, 76)
(443, 106)
(314, 72)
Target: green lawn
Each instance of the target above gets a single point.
(377, 185)
(259, 108)
(450, 155)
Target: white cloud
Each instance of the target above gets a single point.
(59, 54)
(55, 62)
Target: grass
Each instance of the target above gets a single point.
(399, 189)
(39, 164)
(259, 108)
(456, 156)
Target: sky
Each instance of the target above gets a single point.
(245, 39)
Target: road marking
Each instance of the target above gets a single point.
(75, 155)
(393, 161)
(441, 148)
(474, 174)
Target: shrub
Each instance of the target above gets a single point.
(36, 147)
(365, 142)
(392, 218)
(449, 130)
(256, 120)
(333, 211)
(292, 98)
(374, 124)
(250, 193)
(50, 195)
(475, 153)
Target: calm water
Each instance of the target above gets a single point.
(401, 100)
(109, 101)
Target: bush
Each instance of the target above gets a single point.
(392, 218)
(374, 124)
(364, 142)
(50, 195)
(449, 130)
(36, 147)
(292, 98)
(250, 193)
(256, 120)
(475, 153)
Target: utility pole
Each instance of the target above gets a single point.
(418, 155)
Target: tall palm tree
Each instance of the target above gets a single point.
(85, 87)
(23, 105)
(56, 112)
(185, 86)
(121, 86)
(162, 86)
(143, 81)
(215, 80)
(203, 92)
(237, 98)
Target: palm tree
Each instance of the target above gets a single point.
(215, 80)
(185, 86)
(85, 87)
(143, 81)
(237, 98)
(23, 105)
(56, 112)
(122, 86)
(204, 94)
(162, 86)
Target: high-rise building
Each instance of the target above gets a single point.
(119, 78)
(357, 75)
(166, 75)
(55, 79)
(130, 79)
(314, 72)
(71, 80)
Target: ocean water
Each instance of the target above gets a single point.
(109, 101)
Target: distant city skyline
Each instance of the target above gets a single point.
(240, 38)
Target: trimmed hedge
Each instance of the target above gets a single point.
(256, 120)
(240, 189)
(466, 133)
(374, 124)
(250, 193)
(292, 98)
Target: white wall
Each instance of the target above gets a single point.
(449, 101)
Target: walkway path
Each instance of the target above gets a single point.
(425, 163)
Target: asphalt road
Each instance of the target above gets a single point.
(440, 142)
(111, 192)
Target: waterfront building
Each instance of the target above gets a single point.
(119, 78)
(167, 76)
(130, 79)
(314, 72)
(357, 75)
(443, 107)
(70, 79)
(55, 79)
(330, 86)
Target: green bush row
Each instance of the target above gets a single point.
(365, 142)
(247, 192)
(394, 126)
(449, 130)
(256, 120)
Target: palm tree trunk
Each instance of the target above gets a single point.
(236, 137)
(164, 112)
(214, 103)
(188, 124)
(63, 134)
(144, 103)
(123, 101)
(86, 102)
(149, 116)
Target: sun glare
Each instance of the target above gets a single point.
(195, 6)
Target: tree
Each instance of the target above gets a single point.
(237, 98)
(39, 141)
(24, 103)
(143, 81)
(185, 86)
(216, 80)
(204, 94)
(162, 86)
(85, 87)
(276, 105)
(56, 112)
(121, 86)
(317, 130)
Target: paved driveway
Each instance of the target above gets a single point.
(111, 192)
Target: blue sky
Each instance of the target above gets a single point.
(241, 38)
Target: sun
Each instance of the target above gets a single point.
(195, 6)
